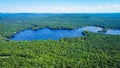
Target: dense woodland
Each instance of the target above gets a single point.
(90, 51)
(12, 23)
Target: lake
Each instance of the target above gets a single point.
(56, 34)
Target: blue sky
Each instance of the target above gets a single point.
(59, 6)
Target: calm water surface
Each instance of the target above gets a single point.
(46, 33)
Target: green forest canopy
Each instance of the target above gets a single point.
(90, 51)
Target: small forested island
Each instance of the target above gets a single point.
(93, 50)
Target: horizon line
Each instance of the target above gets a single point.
(54, 12)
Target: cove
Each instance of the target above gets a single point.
(56, 34)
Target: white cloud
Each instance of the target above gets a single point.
(103, 8)
(70, 9)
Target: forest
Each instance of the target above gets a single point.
(90, 51)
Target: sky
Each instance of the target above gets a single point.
(59, 6)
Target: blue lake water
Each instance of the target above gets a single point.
(55, 34)
(113, 32)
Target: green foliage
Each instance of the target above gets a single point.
(91, 51)
(12, 23)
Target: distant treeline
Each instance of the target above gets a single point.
(12, 23)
